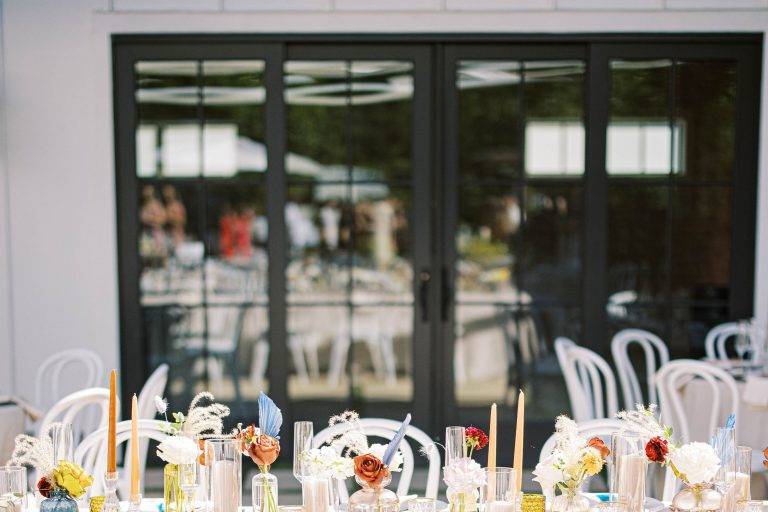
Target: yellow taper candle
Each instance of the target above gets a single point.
(134, 446)
(111, 434)
(519, 439)
(492, 439)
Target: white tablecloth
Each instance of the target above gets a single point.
(11, 425)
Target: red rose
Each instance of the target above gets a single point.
(44, 486)
(599, 445)
(476, 438)
(656, 449)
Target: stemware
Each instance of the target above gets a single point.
(188, 484)
(743, 343)
(13, 480)
(302, 441)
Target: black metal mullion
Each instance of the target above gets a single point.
(518, 240)
(350, 156)
(202, 214)
(277, 245)
(670, 217)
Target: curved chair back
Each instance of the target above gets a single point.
(719, 335)
(590, 381)
(630, 385)
(50, 374)
(91, 452)
(69, 408)
(386, 429)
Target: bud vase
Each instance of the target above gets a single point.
(374, 498)
(697, 498)
(58, 501)
(570, 500)
(264, 492)
(172, 493)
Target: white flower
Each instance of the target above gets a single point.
(161, 404)
(178, 450)
(464, 475)
(325, 462)
(377, 450)
(548, 473)
(696, 462)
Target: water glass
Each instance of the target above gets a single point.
(422, 505)
(302, 441)
(627, 471)
(63, 441)
(455, 444)
(743, 473)
(13, 480)
(498, 494)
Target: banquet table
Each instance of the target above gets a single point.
(11, 425)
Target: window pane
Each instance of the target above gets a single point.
(553, 106)
(552, 243)
(489, 119)
(701, 243)
(636, 242)
(705, 96)
(168, 132)
(689, 328)
(233, 136)
(639, 138)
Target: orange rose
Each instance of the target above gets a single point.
(262, 449)
(765, 455)
(370, 469)
(599, 445)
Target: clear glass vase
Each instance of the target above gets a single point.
(374, 498)
(570, 500)
(697, 498)
(264, 492)
(58, 501)
(173, 496)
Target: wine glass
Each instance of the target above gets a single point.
(302, 442)
(743, 344)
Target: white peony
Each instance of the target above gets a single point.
(464, 475)
(696, 462)
(377, 450)
(178, 450)
(547, 474)
(325, 462)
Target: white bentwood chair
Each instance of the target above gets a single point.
(590, 381)
(630, 385)
(386, 429)
(71, 407)
(91, 452)
(719, 335)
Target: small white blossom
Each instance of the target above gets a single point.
(325, 462)
(464, 475)
(178, 450)
(548, 473)
(161, 404)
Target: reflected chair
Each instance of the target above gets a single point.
(386, 429)
(630, 385)
(718, 336)
(589, 379)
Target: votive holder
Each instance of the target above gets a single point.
(134, 504)
(422, 505)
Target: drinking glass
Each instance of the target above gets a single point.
(455, 444)
(63, 441)
(743, 473)
(743, 343)
(498, 494)
(422, 505)
(225, 461)
(302, 442)
(627, 470)
(13, 480)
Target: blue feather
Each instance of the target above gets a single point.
(394, 444)
(731, 421)
(270, 417)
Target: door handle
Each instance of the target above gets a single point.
(424, 278)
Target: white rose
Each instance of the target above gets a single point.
(696, 462)
(547, 475)
(178, 450)
(377, 450)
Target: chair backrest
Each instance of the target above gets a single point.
(630, 385)
(719, 335)
(68, 408)
(386, 429)
(590, 381)
(723, 394)
(91, 452)
(50, 379)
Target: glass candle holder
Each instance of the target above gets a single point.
(627, 471)
(743, 473)
(498, 495)
(225, 463)
(316, 493)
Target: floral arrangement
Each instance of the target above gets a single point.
(694, 463)
(326, 462)
(375, 465)
(200, 419)
(573, 460)
(178, 450)
(262, 444)
(476, 439)
(64, 476)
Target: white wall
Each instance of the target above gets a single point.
(60, 231)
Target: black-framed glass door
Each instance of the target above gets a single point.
(406, 223)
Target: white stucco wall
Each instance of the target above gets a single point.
(58, 284)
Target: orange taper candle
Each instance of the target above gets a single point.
(518, 461)
(492, 439)
(134, 446)
(111, 434)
